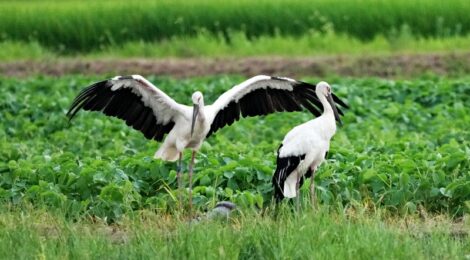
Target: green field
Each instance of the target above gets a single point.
(83, 25)
(399, 149)
(395, 185)
(187, 29)
(207, 46)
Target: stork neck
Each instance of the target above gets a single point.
(328, 125)
(202, 115)
(327, 109)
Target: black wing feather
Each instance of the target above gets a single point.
(284, 167)
(122, 103)
(268, 100)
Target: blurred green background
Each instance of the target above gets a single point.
(41, 29)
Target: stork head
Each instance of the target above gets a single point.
(197, 98)
(324, 89)
(198, 102)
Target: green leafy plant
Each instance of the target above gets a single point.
(404, 145)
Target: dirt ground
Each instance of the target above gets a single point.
(381, 66)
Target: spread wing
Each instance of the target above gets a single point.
(133, 99)
(262, 95)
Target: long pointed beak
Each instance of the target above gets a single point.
(335, 110)
(195, 113)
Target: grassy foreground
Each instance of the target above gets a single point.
(319, 235)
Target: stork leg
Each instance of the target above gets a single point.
(312, 188)
(191, 165)
(297, 193)
(178, 177)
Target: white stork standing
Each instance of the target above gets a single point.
(304, 148)
(149, 110)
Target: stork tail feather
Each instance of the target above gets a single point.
(167, 153)
(290, 184)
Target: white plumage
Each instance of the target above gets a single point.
(305, 147)
(149, 110)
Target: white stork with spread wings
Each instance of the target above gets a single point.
(149, 110)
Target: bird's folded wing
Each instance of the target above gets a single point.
(133, 99)
(285, 165)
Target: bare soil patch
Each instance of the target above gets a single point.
(381, 66)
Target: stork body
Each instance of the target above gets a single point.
(304, 148)
(149, 110)
(186, 134)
